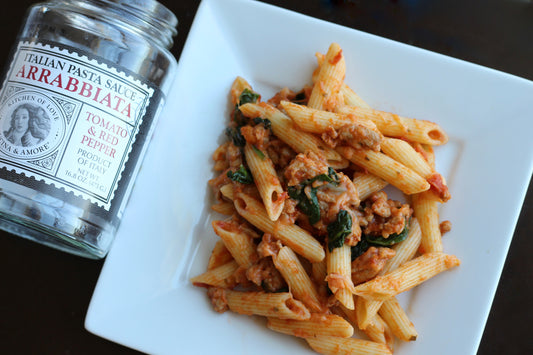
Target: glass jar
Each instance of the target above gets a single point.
(78, 103)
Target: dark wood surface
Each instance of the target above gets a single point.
(44, 293)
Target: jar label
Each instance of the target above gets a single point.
(69, 121)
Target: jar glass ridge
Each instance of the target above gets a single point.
(94, 75)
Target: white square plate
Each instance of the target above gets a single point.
(143, 298)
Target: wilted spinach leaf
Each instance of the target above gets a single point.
(360, 248)
(368, 241)
(299, 98)
(241, 175)
(265, 121)
(391, 240)
(248, 96)
(330, 177)
(339, 230)
(308, 203)
(235, 135)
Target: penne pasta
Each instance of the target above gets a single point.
(296, 277)
(319, 271)
(225, 208)
(346, 346)
(398, 321)
(404, 153)
(338, 263)
(376, 329)
(425, 208)
(219, 256)
(293, 236)
(405, 250)
(316, 325)
(429, 154)
(237, 87)
(367, 184)
(279, 305)
(386, 168)
(318, 121)
(325, 93)
(238, 243)
(266, 180)
(407, 276)
(217, 276)
(379, 331)
(227, 191)
(366, 310)
(393, 125)
(350, 97)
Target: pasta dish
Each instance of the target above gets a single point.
(311, 239)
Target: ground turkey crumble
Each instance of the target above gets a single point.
(380, 216)
(370, 263)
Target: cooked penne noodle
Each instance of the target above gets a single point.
(350, 97)
(225, 208)
(319, 271)
(393, 125)
(291, 235)
(218, 156)
(317, 325)
(325, 93)
(404, 153)
(299, 282)
(429, 154)
(217, 276)
(338, 263)
(366, 310)
(379, 331)
(319, 274)
(398, 321)
(346, 346)
(219, 256)
(367, 184)
(425, 208)
(237, 87)
(348, 314)
(239, 244)
(386, 168)
(405, 250)
(318, 121)
(278, 305)
(376, 330)
(407, 276)
(227, 191)
(267, 181)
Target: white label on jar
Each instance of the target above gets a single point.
(69, 121)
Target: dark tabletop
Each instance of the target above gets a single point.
(44, 293)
